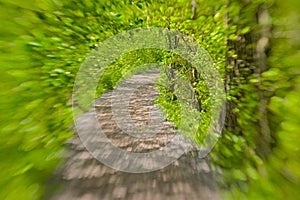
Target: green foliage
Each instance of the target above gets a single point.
(281, 178)
(241, 152)
(43, 44)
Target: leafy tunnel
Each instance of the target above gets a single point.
(253, 44)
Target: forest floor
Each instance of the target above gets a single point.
(82, 176)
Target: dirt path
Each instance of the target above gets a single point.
(84, 177)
